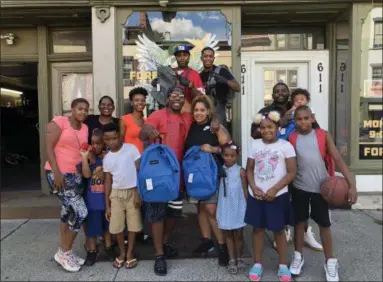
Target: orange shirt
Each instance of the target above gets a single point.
(132, 130)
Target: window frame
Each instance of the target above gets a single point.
(377, 22)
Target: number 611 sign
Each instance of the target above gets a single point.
(320, 72)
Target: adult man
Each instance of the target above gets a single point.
(217, 84)
(188, 77)
(172, 125)
(281, 104)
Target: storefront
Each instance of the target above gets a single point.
(334, 50)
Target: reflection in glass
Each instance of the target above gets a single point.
(76, 85)
(371, 108)
(149, 39)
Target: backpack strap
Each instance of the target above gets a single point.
(217, 69)
(322, 144)
(293, 139)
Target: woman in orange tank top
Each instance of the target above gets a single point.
(130, 124)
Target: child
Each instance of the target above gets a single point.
(232, 206)
(311, 173)
(121, 197)
(271, 166)
(299, 97)
(97, 225)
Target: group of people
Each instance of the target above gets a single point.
(279, 185)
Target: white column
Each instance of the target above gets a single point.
(104, 55)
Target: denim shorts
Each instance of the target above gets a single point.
(159, 212)
(73, 207)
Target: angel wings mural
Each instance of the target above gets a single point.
(150, 55)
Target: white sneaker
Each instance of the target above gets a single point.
(331, 268)
(289, 238)
(66, 261)
(297, 264)
(309, 239)
(80, 261)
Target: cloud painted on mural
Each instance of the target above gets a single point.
(178, 28)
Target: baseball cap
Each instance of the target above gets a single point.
(177, 89)
(183, 48)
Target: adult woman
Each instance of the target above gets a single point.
(130, 124)
(63, 138)
(201, 135)
(106, 108)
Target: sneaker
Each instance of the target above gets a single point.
(206, 246)
(331, 268)
(80, 261)
(169, 251)
(284, 273)
(66, 261)
(297, 264)
(289, 238)
(255, 273)
(309, 239)
(91, 258)
(223, 255)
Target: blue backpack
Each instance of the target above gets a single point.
(200, 173)
(159, 174)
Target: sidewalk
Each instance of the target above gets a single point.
(27, 247)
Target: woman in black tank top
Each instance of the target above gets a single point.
(201, 135)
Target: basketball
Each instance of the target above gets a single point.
(335, 191)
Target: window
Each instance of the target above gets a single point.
(378, 34)
(377, 73)
(71, 41)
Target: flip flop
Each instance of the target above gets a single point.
(117, 263)
(132, 263)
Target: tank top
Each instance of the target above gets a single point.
(200, 134)
(311, 169)
(132, 131)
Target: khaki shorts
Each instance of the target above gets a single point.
(123, 211)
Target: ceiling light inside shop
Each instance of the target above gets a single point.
(10, 92)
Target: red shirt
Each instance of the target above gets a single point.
(194, 77)
(172, 127)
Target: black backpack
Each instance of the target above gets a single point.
(211, 84)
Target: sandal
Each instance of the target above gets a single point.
(232, 267)
(160, 267)
(132, 263)
(241, 264)
(117, 263)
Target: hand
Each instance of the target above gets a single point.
(58, 181)
(184, 81)
(207, 148)
(270, 194)
(220, 78)
(258, 193)
(85, 153)
(215, 126)
(352, 195)
(154, 134)
(108, 213)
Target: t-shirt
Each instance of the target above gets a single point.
(270, 163)
(172, 127)
(67, 148)
(132, 131)
(93, 122)
(122, 166)
(95, 193)
(222, 89)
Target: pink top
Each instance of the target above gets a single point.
(67, 149)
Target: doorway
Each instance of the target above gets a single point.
(20, 151)
(298, 69)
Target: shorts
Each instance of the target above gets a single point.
(73, 207)
(97, 224)
(302, 200)
(159, 212)
(274, 215)
(213, 199)
(124, 211)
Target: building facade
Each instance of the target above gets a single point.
(91, 48)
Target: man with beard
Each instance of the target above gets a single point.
(188, 78)
(218, 84)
